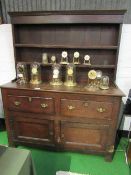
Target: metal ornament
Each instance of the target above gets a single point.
(56, 77)
(98, 77)
(92, 81)
(104, 83)
(53, 59)
(64, 58)
(76, 58)
(87, 60)
(70, 75)
(45, 58)
(22, 76)
(35, 73)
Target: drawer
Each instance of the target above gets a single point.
(31, 104)
(89, 109)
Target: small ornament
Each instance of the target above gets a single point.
(98, 77)
(56, 75)
(92, 75)
(64, 58)
(22, 76)
(70, 75)
(53, 59)
(104, 84)
(45, 58)
(76, 58)
(35, 73)
(87, 60)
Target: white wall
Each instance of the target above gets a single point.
(123, 78)
(7, 68)
(7, 65)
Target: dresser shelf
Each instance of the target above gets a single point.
(77, 65)
(65, 46)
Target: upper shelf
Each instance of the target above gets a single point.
(66, 47)
(77, 65)
(68, 17)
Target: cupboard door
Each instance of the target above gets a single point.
(32, 130)
(83, 136)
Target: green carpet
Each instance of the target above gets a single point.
(47, 163)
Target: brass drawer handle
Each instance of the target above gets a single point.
(17, 103)
(86, 104)
(101, 110)
(44, 105)
(71, 107)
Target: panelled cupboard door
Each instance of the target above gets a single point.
(84, 136)
(37, 131)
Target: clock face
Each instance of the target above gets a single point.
(92, 74)
(70, 71)
(34, 70)
(87, 57)
(64, 54)
(55, 73)
(53, 58)
(76, 54)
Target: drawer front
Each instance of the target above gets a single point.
(89, 109)
(31, 104)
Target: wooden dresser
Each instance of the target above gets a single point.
(60, 117)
